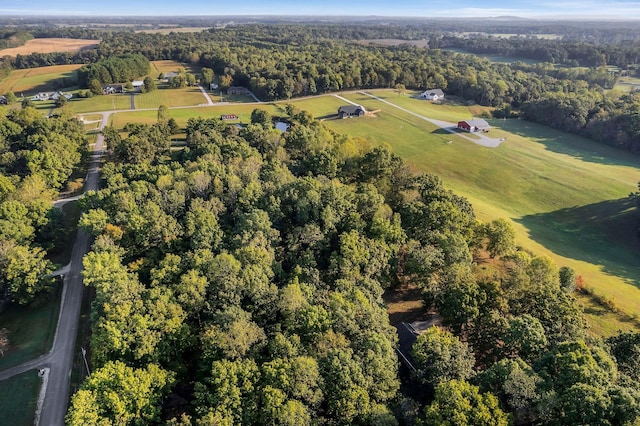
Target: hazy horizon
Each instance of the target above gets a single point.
(567, 9)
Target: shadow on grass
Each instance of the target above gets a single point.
(31, 329)
(565, 143)
(18, 399)
(64, 82)
(602, 234)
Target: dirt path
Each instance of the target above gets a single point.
(206, 95)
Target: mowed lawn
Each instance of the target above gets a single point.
(165, 66)
(186, 96)
(565, 195)
(18, 399)
(99, 103)
(182, 115)
(31, 81)
(31, 330)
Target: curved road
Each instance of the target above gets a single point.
(59, 359)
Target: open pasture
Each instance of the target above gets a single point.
(627, 84)
(186, 96)
(31, 81)
(565, 195)
(495, 58)
(18, 398)
(50, 45)
(182, 115)
(99, 103)
(31, 330)
(165, 66)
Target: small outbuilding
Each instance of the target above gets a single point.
(432, 95)
(349, 111)
(475, 125)
(237, 90)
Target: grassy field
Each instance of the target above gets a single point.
(627, 84)
(158, 67)
(31, 81)
(565, 195)
(186, 96)
(31, 330)
(495, 58)
(181, 115)
(49, 45)
(18, 399)
(99, 103)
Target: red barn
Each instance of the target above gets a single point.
(475, 125)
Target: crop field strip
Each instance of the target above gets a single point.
(50, 45)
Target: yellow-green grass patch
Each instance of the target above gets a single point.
(33, 80)
(99, 103)
(18, 398)
(182, 115)
(90, 117)
(186, 96)
(627, 84)
(601, 321)
(165, 66)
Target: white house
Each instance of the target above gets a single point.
(432, 94)
(46, 96)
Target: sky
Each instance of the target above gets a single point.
(583, 9)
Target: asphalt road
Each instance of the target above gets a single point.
(60, 358)
(56, 398)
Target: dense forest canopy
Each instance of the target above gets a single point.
(240, 281)
(37, 156)
(114, 69)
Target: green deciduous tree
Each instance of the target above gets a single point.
(120, 395)
(459, 403)
(501, 238)
(149, 84)
(440, 356)
(24, 272)
(95, 87)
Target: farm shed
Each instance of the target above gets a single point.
(475, 125)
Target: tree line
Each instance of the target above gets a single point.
(115, 69)
(37, 157)
(240, 281)
(285, 61)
